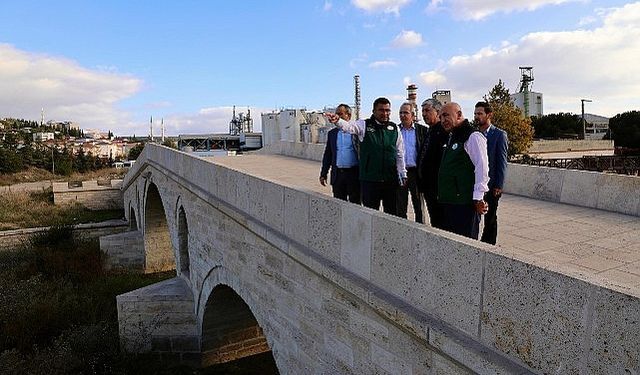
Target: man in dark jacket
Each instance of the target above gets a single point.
(497, 146)
(382, 167)
(429, 160)
(464, 174)
(340, 154)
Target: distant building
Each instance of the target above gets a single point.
(293, 125)
(443, 96)
(595, 126)
(42, 136)
(532, 98)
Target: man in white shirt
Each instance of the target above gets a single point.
(413, 136)
(464, 174)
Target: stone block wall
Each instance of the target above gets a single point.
(342, 289)
(160, 318)
(610, 192)
(124, 250)
(90, 194)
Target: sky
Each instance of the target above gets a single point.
(112, 65)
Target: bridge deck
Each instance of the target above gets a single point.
(590, 244)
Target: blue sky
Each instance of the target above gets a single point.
(113, 64)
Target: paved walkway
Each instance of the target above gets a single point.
(593, 245)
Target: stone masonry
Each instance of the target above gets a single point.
(341, 289)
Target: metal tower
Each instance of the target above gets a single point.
(526, 73)
(412, 95)
(240, 123)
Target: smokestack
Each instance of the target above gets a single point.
(356, 80)
(151, 129)
(412, 95)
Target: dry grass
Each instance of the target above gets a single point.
(36, 174)
(36, 209)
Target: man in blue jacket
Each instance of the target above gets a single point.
(497, 145)
(341, 155)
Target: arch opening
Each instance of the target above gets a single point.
(183, 242)
(158, 250)
(230, 331)
(133, 223)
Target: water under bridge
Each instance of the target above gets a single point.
(266, 260)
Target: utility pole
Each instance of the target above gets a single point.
(584, 124)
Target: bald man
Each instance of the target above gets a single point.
(463, 176)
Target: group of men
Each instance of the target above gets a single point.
(456, 169)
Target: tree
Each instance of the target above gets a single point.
(509, 118)
(136, 151)
(557, 125)
(169, 143)
(625, 129)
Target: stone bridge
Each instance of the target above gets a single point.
(265, 261)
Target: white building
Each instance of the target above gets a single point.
(595, 126)
(42, 137)
(534, 101)
(293, 125)
(443, 96)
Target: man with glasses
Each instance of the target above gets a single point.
(412, 138)
(429, 160)
(382, 167)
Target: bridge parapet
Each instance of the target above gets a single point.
(337, 286)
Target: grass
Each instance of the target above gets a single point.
(33, 174)
(36, 209)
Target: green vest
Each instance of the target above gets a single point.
(378, 152)
(456, 175)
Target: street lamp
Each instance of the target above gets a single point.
(584, 124)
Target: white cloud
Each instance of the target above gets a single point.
(383, 64)
(477, 10)
(66, 90)
(595, 64)
(407, 39)
(385, 6)
(327, 6)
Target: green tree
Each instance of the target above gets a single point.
(136, 151)
(169, 143)
(509, 118)
(625, 129)
(557, 125)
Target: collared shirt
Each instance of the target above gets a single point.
(409, 139)
(346, 154)
(476, 148)
(358, 127)
(486, 132)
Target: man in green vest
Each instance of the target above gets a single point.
(382, 166)
(464, 174)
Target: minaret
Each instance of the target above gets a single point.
(356, 80)
(162, 127)
(151, 129)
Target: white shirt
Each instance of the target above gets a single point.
(358, 127)
(476, 148)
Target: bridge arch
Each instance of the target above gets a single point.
(183, 241)
(158, 250)
(133, 222)
(231, 325)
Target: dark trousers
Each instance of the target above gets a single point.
(461, 219)
(416, 196)
(436, 215)
(490, 231)
(346, 185)
(375, 192)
